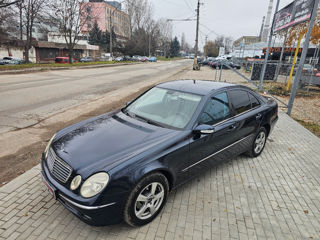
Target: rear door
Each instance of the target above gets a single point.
(246, 110)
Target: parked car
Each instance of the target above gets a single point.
(127, 58)
(11, 61)
(136, 58)
(152, 59)
(224, 63)
(6, 60)
(307, 68)
(123, 164)
(144, 59)
(86, 59)
(119, 59)
(63, 60)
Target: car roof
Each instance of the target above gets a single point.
(200, 87)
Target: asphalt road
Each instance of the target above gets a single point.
(26, 99)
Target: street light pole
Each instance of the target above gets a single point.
(268, 49)
(195, 62)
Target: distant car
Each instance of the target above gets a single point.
(224, 64)
(235, 65)
(62, 60)
(123, 164)
(6, 60)
(200, 60)
(119, 59)
(127, 58)
(307, 68)
(152, 59)
(14, 62)
(86, 59)
(136, 58)
(11, 61)
(144, 59)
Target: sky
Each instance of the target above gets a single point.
(233, 18)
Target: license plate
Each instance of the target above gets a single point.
(51, 190)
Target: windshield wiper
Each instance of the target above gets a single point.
(125, 111)
(148, 121)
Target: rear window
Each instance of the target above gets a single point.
(240, 101)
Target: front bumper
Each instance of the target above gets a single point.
(92, 214)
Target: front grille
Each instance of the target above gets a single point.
(58, 168)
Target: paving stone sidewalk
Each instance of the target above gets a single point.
(274, 196)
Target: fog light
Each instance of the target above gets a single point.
(75, 182)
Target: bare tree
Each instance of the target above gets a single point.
(140, 12)
(30, 11)
(183, 41)
(165, 35)
(7, 3)
(71, 16)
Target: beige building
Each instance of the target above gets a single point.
(247, 40)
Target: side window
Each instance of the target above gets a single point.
(216, 110)
(254, 101)
(240, 101)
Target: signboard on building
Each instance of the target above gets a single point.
(294, 13)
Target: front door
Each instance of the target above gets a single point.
(207, 150)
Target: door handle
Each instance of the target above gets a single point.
(232, 128)
(258, 116)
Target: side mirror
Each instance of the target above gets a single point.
(204, 129)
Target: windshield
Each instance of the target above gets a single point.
(165, 107)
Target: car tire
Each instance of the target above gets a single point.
(152, 191)
(258, 143)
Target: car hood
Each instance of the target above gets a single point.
(105, 140)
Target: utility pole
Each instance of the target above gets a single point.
(303, 57)
(205, 47)
(149, 45)
(195, 62)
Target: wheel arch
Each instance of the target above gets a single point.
(166, 172)
(267, 127)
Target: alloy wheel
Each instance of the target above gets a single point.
(259, 142)
(149, 200)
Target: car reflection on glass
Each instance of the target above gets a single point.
(123, 164)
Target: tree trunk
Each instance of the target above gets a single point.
(26, 53)
(70, 54)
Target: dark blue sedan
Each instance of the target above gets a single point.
(123, 164)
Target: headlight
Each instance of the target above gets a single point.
(48, 146)
(75, 182)
(94, 184)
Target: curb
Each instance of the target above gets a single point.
(44, 69)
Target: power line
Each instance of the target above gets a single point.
(181, 20)
(192, 10)
(210, 30)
